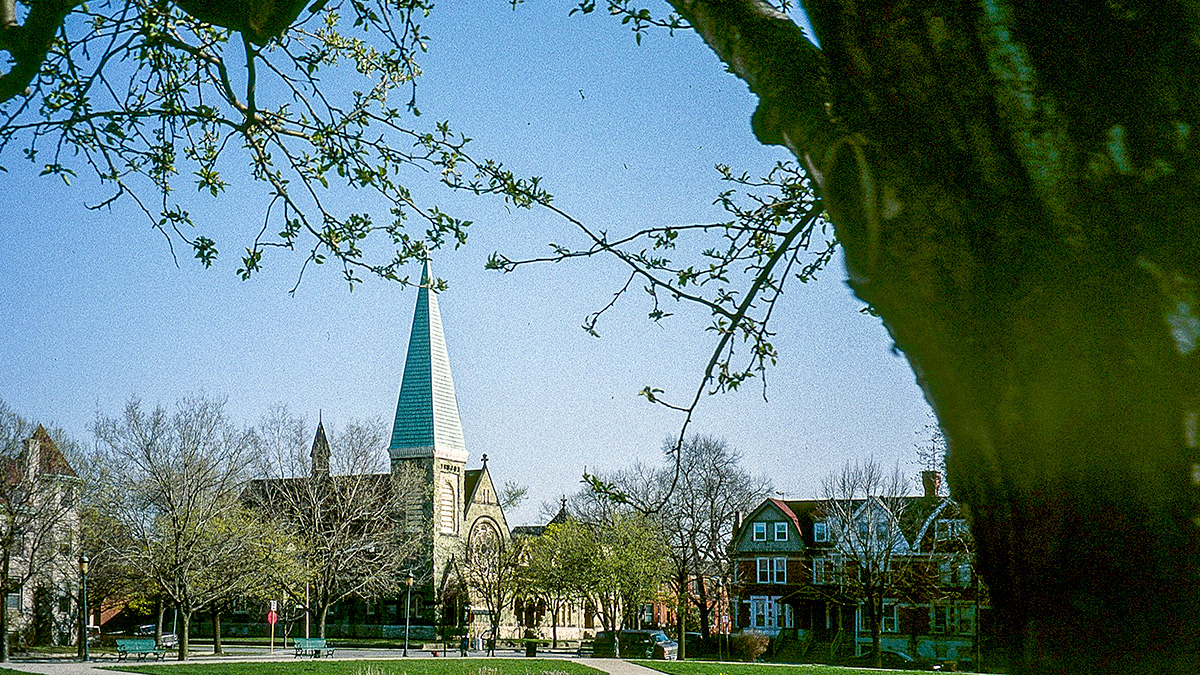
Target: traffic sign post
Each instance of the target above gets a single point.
(272, 617)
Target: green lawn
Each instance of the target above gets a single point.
(709, 668)
(391, 667)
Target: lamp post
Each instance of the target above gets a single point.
(408, 581)
(83, 618)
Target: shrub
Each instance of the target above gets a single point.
(748, 645)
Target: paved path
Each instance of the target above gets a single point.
(71, 667)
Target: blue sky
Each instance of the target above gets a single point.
(95, 310)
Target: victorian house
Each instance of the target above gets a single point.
(40, 537)
(801, 567)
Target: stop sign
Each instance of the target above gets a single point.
(272, 617)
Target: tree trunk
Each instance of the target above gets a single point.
(681, 614)
(554, 625)
(158, 624)
(703, 607)
(322, 612)
(216, 627)
(1015, 186)
(184, 633)
(3, 622)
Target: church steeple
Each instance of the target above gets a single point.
(427, 422)
(320, 451)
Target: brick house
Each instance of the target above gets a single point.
(795, 580)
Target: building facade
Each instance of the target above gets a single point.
(798, 577)
(41, 526)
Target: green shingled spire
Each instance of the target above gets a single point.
(427, 422)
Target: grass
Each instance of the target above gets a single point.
(709, 668)
(366, 667)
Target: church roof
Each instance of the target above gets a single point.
(427, 422)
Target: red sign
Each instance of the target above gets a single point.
(272, 617)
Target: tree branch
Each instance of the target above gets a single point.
(772, 54)
(29, 43)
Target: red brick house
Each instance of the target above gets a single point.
(795, 580)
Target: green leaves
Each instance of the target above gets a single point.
(143, 95)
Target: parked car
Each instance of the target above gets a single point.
(637, 644)
(167, 641)
(890, 659)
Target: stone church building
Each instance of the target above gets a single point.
(462, 503)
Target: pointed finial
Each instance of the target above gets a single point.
(427, 273)
(484, 460)
(564, 502)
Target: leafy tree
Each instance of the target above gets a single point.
(178, 479)
(350, 533)
(551, 568)
(38, 521)
(621, 555)
(1014, 187)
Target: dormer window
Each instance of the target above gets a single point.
(820, 532)
(760, 532)
(781, 532)
(950, 529)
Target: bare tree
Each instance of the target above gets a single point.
(178, 480)
(863, 508)
(694, 502)
(492, 566)
(353, 528)
(38, 522)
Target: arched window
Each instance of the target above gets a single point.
(447, 509)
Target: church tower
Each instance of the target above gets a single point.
(427, 430)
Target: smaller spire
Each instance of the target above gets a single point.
(320, 450)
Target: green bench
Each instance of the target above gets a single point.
(314, 647)
(143, 647)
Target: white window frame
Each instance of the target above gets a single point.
(763, 566)
(820, 571)
(760, 531)
(888, 620)
(779, 570)
(820, 532)
(758, 611)
(781, 531)
(946, 529)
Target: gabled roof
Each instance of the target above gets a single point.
(50, 458)
(427, 421)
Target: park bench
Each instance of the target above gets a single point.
(143, 647)
(314, 647)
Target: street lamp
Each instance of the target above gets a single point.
(408, 581)
(83, 618)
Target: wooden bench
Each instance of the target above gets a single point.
(314, 647)
(143, 647)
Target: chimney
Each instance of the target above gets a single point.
(932, 482)
(737, 520)
(33, 457)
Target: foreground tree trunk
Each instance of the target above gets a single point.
(216, 627)
(1016, 189)
(185, 629)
